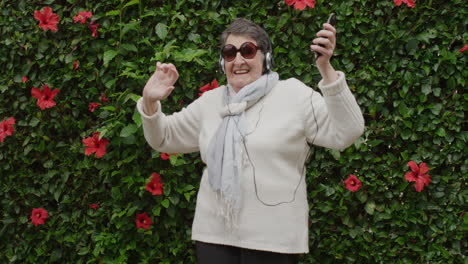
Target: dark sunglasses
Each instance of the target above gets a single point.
(248, 50)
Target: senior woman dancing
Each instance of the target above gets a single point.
(254, 135)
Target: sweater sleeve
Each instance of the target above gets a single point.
(176, 133)
(334, 120)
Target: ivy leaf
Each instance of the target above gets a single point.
(370, 207)
(189, 54)
(113, 13)
(174, 199)
(34, 121)
(426, 36)
(361, 196)
(441, 132)
(426, 89)
(57, 194)
(129, 47)
(161, 30)
(156, 211)
(133, 2)
(109, 55)
(136, 118)
(83, 251)
(335, 153)
(134, 97)
(128, 130)
(108, 108)
(329, 191)
(165, 203)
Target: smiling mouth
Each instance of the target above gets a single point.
(240, 72)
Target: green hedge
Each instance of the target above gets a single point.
(403, 65)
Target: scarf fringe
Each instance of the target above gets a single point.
(228, 212)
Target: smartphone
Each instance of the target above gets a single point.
(332, 21)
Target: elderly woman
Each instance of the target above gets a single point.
(254, 135)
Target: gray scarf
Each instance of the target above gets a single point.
(224, 156)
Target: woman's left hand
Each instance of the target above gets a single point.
(327, 39)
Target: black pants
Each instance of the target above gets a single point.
(222, 254)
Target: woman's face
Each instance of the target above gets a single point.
(242, 71)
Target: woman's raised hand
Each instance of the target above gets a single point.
(159, 86)
(325, 44)
(161, 83)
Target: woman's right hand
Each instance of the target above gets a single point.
(159, 86)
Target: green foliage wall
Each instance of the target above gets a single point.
(403, 65)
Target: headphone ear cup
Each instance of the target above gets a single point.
(272, 62)
(221, 64)
(268, 62)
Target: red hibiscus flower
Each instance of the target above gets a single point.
(209, 86)
(24, 79)
(409, 3)
(418, 175)
(38, 216)
(94, 26)
(82, 17)
(95, 145)
(93, 106)
(463, 49)
(94, 206)
(155, 186)
(45, 97)
(76, 65)
(103, 98)
(6, 128)
(167, 156)
(143, 221)
(47, 19)
(301, 4)
(353, 183)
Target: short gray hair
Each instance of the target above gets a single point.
(242, 26)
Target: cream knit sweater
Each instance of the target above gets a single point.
(279, 126)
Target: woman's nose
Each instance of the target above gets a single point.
(239, 59)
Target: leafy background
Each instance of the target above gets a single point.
(402, 64)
